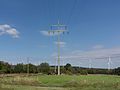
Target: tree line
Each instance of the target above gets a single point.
(45, 68)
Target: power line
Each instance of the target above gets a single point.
(72, 11)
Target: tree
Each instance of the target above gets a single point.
(44, 68)
(5, 67)
(68, 68)
(32, 68)
(19, 68)
(117, 71)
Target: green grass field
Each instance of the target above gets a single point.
(63, 82)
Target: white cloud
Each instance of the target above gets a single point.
(98, 47)
(7, 29)
(98, 57)
(98, 53)
(44, 33)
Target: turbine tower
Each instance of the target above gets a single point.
(58, 29)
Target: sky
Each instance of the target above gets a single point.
(93, 25)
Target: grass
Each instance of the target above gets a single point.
(63, 82)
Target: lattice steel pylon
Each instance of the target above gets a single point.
(109, 63)
(58, 29)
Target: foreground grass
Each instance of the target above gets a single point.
(21, 87)
(64, 82)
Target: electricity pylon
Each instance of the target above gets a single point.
(109, 63)
(28, 66)
(90, 63)
(57, 30)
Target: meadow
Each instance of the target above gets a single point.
(62, 82)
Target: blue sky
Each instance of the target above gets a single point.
(94, 25)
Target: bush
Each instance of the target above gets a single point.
(68, 72)
(83, 72)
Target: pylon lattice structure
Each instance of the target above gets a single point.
(58, 29)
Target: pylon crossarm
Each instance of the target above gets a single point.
(57, 31)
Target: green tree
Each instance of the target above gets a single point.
(44, 68)
(32, 68)
(68, 68)
(19, 68)
(117, 71)
(5, 67)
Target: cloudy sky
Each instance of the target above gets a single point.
(94, 30)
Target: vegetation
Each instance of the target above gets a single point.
(63, 82)
(14, 77)
(44, 68)
(6, 68)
